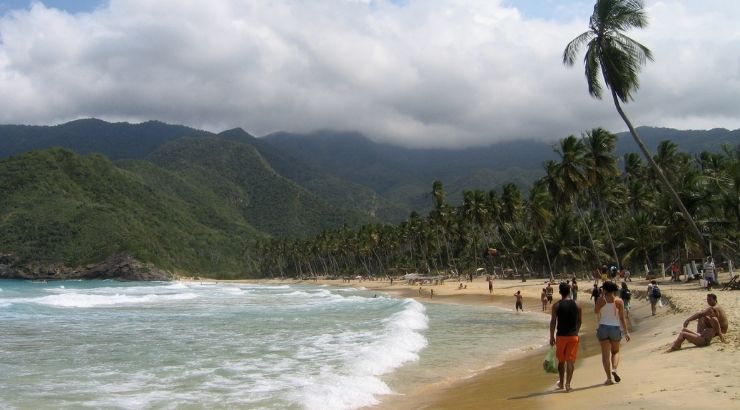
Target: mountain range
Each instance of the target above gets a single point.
(188, 200)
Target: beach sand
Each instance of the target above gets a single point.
(691, 378)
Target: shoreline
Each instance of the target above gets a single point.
(693, 377)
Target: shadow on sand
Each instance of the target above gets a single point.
(545, 393)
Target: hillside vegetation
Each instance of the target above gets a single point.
(61, 209)
(195, 202)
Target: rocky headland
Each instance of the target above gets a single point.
(117, 267)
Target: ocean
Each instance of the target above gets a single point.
(135, 345)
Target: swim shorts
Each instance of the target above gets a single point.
(566, 348)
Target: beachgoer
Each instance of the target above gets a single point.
(490, 286)
(566, 317)
(595, 293)
(518, 296)
(626, 295)
(574, 289)
(543, 299)
(711, 322)
(549, 292)
(419, 290)
(709, 273)
(654, 295)
(627, 275)
(674, 271)
(431, 293)
(612, 324)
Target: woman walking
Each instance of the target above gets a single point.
(610, 311)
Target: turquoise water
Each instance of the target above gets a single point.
(105, 344)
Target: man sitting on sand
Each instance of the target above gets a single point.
(711, 322)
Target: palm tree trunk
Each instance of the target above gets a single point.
(662, 176)
(608, 231)
(590, 237)
(544, 247)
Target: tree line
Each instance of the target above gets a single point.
(586, 211)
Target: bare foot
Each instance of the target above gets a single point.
(567, 388)
(608, 382)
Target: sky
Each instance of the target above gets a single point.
(418, 73)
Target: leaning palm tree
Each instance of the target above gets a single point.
(618, 58)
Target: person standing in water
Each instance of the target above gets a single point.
(518, 296)
(610, 311)
(566, 318)
(574, 289)
(543, 299)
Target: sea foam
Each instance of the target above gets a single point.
(80, 300)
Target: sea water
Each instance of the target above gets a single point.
(133, 345)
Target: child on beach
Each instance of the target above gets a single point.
(518, 296)
(543, 299)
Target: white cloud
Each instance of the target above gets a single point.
(432, 73)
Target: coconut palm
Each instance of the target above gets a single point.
(618, 59)
(601, 168)
(539, 216)
(570, 179)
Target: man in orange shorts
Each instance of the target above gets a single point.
(566, 317)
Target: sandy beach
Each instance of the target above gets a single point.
(691, 378)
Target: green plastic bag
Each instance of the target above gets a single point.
(550, 365)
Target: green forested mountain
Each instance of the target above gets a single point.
(192, 201)
(332, 188)
(60, 209)
(196, 205)
(239, 175)
(346, 169)
(404, 174)
(114, 140)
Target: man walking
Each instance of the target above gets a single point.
(566, 317)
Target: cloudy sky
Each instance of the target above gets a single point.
(442, 73)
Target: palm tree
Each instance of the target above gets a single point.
(601, 167)
(618, 58)
(570, 178)
(540, 216)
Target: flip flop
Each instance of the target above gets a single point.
(616, 377)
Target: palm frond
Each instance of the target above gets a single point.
(592, 68)
(569, 55)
